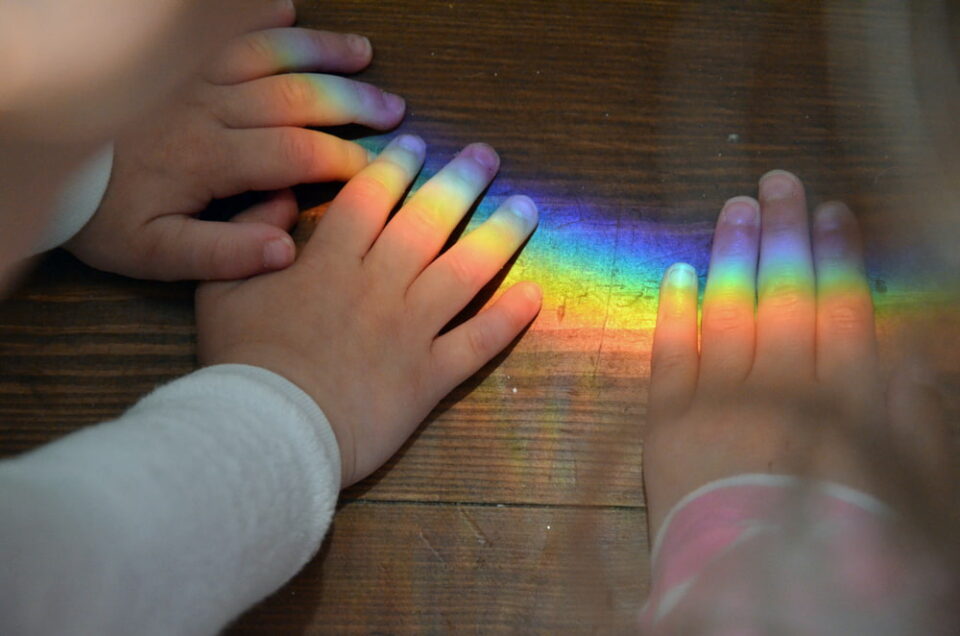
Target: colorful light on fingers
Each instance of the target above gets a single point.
(496, 239)
(569, 397)
(601, 273)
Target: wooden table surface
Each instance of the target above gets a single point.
(518, 506)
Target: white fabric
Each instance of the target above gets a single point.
(206, 496)
(79, 201)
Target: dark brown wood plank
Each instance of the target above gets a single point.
(403, 568)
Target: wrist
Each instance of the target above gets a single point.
(290, 366)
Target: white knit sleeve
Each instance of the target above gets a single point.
(202, 499)
(78, 201)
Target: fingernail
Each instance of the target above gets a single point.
(394, 103)
(533, 293)
(778, 184)
(359, 44)
(278, 253)
(741, 211)
(411, 143)
(524, 209)
(831, 216)
(483, 155)
(681, 275)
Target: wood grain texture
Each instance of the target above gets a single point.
(612, 113)
(405, 568)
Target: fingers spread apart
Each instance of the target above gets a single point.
(357, 215)
(418, 232)
(451, 281)
(460, 353)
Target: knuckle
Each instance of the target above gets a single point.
(425, 220)
(371, 187)
(848, 318)
(297, 147)
(726, 316)
(673, 307)
(480, 342)
(668, 361)
(257, 47)
(460, 181)
(787, 295)
(463, 272)
(293, 92)
(208, 261)
(391, 172)
(783, 229)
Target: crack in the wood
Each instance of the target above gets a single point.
(482, 538)
(430, 547)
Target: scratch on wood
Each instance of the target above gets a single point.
(608, 300)
(482, 538)
(882, 173)
(430, 547)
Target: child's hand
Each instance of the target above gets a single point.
(355, 320)
(74, 74)
(71, 74)
(786, 379)
(238, 128)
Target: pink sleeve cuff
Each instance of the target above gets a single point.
(743, 554)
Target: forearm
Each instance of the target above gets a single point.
(202, 499)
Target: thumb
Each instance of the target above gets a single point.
(279, 210)
(187, 248)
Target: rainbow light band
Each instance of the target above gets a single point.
(603, 278)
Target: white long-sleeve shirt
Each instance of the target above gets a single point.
(202, 499)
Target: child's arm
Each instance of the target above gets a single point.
(240, 126)
(202, 499)
(217, 488)
(781, 378)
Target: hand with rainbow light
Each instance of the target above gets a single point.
(356, 321)
(240, 126)
(72, 73)
(786, 378)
